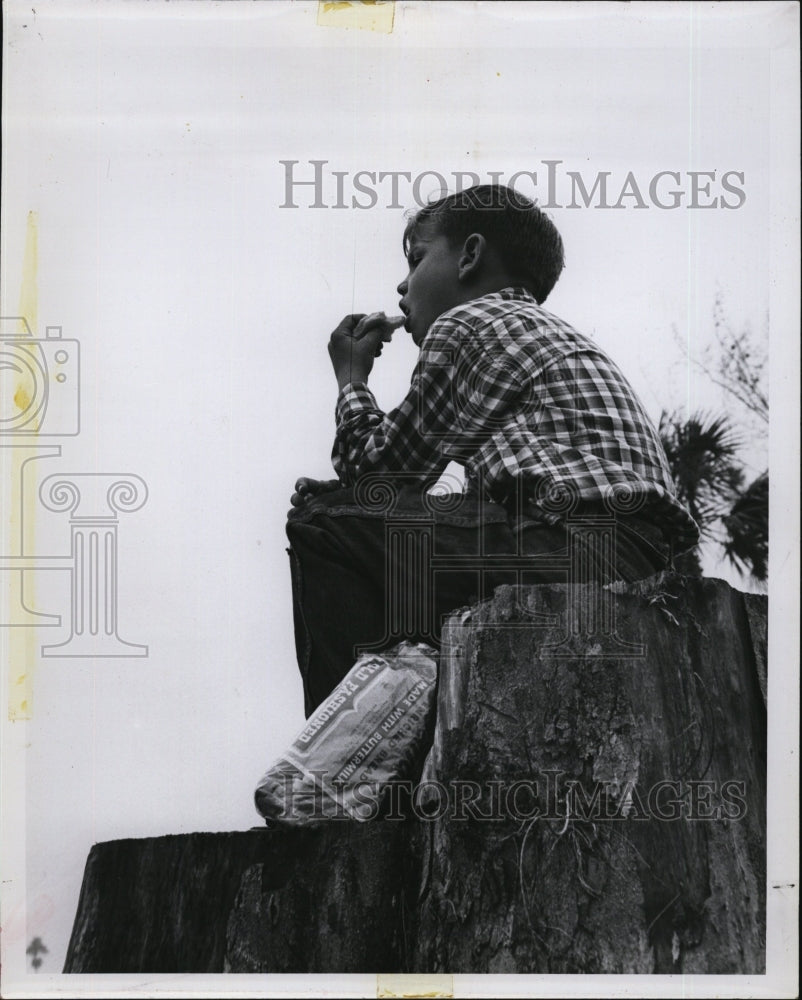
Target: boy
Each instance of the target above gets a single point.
(544, 424)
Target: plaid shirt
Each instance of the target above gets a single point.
(524, 403)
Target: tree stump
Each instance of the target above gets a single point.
(594, 802)
(643, 773)
(257, 901)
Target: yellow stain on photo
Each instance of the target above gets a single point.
(365, 15)
(22, 509)
(407, 986)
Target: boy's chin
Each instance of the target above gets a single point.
(416, 330)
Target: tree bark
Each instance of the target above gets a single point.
(676, 731)
(258, 901)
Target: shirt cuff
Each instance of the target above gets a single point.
(355, 398)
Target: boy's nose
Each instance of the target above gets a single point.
(402, 287)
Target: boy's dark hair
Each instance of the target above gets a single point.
(525, 237)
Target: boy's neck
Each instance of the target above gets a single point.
(490, 285)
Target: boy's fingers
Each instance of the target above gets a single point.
(306, 488)
(348, 324)
(367, 323)
(373, 339)
(378, 320)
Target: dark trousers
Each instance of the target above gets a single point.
(366, 579)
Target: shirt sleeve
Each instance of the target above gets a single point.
(411, 437)
(464, 388)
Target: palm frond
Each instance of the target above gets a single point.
(747, 525)
(701, 452)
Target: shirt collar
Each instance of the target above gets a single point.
(513, 293)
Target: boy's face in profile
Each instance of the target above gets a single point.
(432, 285)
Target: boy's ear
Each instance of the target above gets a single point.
(473, 253)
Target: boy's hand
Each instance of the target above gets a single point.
(306, 488)
(354, 346)
(379, 320)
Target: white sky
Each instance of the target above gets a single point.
(147, 138)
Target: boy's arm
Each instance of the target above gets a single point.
(411, 437)
(461, 395)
